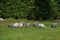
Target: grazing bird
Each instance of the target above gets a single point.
(13, 25)
(41, 25)
(20, 25)
(54, 25)
(23, 23)
(1, 19)
(28, 25)
(10, 25)
(35, 24)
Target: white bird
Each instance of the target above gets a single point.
(15, 24)
(28, 25)
(10, 25)
(54, 25)
(35, 24)
(1, 19)
(41, 25)
(20, 25)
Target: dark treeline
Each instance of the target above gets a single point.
(30, 9)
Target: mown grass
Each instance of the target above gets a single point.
(33, 33)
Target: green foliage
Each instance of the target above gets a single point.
(30, 9)
(13, 8)
(47, 9)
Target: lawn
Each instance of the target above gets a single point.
(33, 33)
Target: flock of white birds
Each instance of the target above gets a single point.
(28, 25)
(1, 19)
(35, 24)
(22, 24)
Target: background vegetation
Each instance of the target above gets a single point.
(30, 9)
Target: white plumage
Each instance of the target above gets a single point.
(41, 25)
(15, 24)
(28, 25)
(35, 24)
(1, 19)
(54, 25)
(20, 25)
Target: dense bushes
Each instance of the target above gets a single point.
(30, 9)
(15, 8)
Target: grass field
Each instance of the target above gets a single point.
(33, 33)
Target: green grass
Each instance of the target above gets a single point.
(33, 33)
